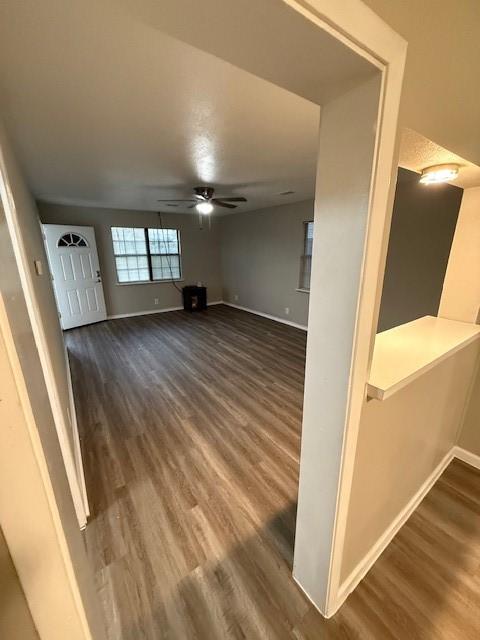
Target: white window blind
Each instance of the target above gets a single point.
(165, 254)
(306, 259)
(143, 255)
(130, 249)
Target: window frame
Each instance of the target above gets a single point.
(148, 255)
(68, 244)
(304, 256)
(168, 255)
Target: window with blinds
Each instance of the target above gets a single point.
(146, 255)
(164, 253)
(306, 259)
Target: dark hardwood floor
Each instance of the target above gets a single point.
(190, 432)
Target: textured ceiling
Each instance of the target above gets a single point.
(107, 108)
(441, 88)
(417, 153)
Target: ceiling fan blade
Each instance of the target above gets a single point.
(176, 200)
(235, 199)
(220, 203)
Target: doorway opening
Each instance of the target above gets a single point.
(189, 372)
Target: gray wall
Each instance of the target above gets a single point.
(423, 224)
(261, 259)
(200, 254)
(253, 259)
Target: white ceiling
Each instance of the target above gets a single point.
(417, 153)
(105, 109)
(441, 88)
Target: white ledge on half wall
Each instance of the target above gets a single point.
(406, 352)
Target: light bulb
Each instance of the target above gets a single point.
(439, 173)
(204, 207)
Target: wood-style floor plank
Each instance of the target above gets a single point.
(190, 431)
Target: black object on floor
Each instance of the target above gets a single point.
(194, 298)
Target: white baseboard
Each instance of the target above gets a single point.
(467, 456)
(267, 315)
(77, 451)
(147, 313)
(362, 568)
(210, 304)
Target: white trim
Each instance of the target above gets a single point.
(77, 451)
(147, 313)
(28, 286)
(142, 313)
(467, 456)
(128, 284)
(366, 563)
(267, 315)
(381, 198)
(444, 338)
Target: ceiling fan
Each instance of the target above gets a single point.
(204, 201)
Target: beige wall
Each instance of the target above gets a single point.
(36, 509)
(15, 618)
(461, 299)
(401, 441)
(404, 438)
(261, 259)
(441, 94)
(200, 254)
(25, 233)
(29, 236)
(469, 437)
(461, 289)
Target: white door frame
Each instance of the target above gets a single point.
(76, 477)
(319, 547)
(54, 254)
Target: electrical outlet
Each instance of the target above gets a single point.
(287, 311)
(235, 297)
(155, 301)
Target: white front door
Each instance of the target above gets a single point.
(73, 259)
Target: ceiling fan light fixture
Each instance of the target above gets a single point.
(204, 207)
(439, 173)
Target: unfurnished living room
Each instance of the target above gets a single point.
(239, 320)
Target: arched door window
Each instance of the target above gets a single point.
(72, 240)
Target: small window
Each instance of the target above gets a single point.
(306, 259)
(72, 240)
(146, 255)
